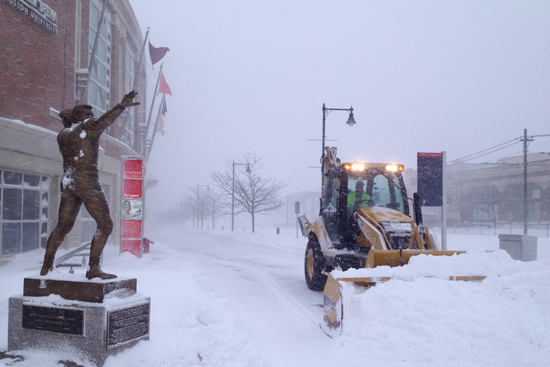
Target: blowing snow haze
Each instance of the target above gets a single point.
(422, 76)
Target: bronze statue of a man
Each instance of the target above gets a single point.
(79, 145)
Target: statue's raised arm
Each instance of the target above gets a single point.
(128, 100)
(109, 117)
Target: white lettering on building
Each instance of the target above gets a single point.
(38, 11)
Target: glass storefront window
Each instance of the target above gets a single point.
(12, 204)
(12, 178)
(24, 200)
(31, 204)
(31, 180)
(11, 238)
(30, 236)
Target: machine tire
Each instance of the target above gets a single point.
(314, 263)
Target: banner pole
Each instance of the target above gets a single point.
(155, 128)
(140, 59)
(444, 202)
(153, 101)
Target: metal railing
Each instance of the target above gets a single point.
(83, 251)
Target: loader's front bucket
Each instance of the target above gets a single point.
(335, 294)
(393, 258)
(333, 301)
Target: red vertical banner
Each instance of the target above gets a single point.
(131, 218)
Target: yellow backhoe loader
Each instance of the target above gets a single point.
(364, 222)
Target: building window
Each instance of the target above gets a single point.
(100, 79)
(516, 202)
(130, 113)
(485, 203)
(24, 202)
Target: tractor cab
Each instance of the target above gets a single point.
(351, 186)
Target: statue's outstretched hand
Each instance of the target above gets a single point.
(128, 100)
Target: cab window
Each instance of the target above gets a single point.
(381, 191)
(387, 192)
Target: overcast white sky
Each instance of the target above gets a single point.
(422, 76)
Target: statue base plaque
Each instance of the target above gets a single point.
(93, 330)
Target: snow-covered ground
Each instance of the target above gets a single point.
(240, 299)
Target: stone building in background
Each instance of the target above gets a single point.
(45, 52)
(492, 194)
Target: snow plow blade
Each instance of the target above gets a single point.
(334, 297)
(393, 258)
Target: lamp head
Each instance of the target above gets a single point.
(351, 120)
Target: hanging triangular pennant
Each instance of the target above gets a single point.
(157, 54)
(163, 87)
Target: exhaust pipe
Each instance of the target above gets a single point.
(417, 210)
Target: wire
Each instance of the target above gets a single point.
(479, 154)
(492, 149)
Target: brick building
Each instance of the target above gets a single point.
(45, 48)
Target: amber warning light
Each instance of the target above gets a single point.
(394, 167)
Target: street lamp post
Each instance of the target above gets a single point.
(233, 192)
(350, 122)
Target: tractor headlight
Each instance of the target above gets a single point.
(356, 166)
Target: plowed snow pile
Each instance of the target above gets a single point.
(421, 316)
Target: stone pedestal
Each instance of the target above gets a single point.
(78, 288)
(112, 317)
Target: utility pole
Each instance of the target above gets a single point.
(525, 141)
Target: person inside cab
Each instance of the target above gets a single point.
(358, 198)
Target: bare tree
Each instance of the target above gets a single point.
(174, 217)
(202, 204)
(196, 204)
(253, 193)
(216, 206)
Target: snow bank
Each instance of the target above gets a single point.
(471, 263)
(420, 316)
